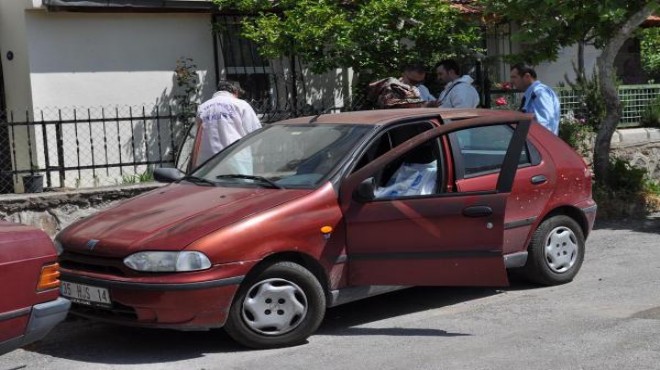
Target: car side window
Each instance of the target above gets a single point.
(390, 139)
(481, 150)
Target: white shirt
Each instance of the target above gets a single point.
(225, 119)
(459, 94)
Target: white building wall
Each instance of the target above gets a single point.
(85, 66)
(13, 40)
(95, 59)
(552, 73)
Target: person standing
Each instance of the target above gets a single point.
(458, 91)
(414, 74)
(539, 99)
(223, 119)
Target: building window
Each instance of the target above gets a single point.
(240, 61)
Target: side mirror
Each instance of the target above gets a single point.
(167, 174)
(365, 191)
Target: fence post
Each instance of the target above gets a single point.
(46, 154)
(60, 147)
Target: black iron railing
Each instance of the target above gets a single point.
(86, 147)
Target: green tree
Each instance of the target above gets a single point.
(547, 26)
(650, 51)
(374, 37)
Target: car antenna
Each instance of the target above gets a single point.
(322, 113)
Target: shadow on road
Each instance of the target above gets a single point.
(81, 340)
(342, 320)
(639, 225)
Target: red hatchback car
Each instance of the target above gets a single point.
(31, 305)
(313, 212)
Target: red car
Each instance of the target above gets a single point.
(31, 305)
(313, 212)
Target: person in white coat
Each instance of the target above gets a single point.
(458, 91)
(223, 119)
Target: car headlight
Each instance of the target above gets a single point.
(168, 261)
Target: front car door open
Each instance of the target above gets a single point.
(434, 238)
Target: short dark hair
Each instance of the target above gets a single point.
(415, 67)
(231, 86)
(449, 65)
(524, 68)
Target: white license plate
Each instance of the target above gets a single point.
(85, 294)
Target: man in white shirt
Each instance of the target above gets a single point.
(458, 92)
(224, 119)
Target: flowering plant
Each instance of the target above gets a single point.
(576, 132)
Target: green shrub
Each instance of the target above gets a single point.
(651, 116)
(629, 192)
(576, 132)
(592, 103)
(624, 177)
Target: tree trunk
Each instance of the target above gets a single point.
(581, 71)
(607, 76)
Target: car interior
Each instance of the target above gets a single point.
(422, 161)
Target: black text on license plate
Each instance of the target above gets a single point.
(85, 294)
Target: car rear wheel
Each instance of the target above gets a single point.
(556, 251)
(281, 306)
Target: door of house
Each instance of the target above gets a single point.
(6, 182)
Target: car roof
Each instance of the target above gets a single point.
(384, 116)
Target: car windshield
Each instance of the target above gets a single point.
(284, 156)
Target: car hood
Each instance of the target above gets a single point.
(168, 218)
(14, 238)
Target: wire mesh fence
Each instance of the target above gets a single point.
(72, 148)
(48, 149)
(634, 98)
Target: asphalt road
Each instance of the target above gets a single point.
(607, 318)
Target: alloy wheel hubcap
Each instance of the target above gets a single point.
(274, 307)
(561, 249)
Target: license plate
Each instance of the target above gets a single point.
(85, 294)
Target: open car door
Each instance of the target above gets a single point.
(186, 157)
(440, 238)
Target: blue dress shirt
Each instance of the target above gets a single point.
(544, 103)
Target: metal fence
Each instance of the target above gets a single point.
(635, 100)
(71, 148)
(84, 147)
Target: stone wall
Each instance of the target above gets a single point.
(640, 147)
(54, 211)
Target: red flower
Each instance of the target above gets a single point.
(500, 101)
(506, 85)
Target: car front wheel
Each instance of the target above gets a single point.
(281, 306)
(556, 251)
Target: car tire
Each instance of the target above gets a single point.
(556, 251)
(281, 306)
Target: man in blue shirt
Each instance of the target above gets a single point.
(538, 99)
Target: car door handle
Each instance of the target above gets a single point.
(477, 211)
(538, 179)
